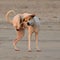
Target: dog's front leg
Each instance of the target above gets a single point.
(36, 37)
(29, 38)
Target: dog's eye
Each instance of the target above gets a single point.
(24, 20)
(30, 18)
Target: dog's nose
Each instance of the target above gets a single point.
(28, 23)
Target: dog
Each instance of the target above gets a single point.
(20, 23)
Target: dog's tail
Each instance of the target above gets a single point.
(7, 16)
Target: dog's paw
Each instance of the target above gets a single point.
(38, 50)
(29, 50)
(17, 50)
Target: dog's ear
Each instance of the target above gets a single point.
(28, 17)
(32, 15)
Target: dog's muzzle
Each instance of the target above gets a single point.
(30, 23)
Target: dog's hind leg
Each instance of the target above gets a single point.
(20, 34)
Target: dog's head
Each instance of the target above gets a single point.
(28, 19)
(33, 20)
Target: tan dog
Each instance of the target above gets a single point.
(22, 21)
